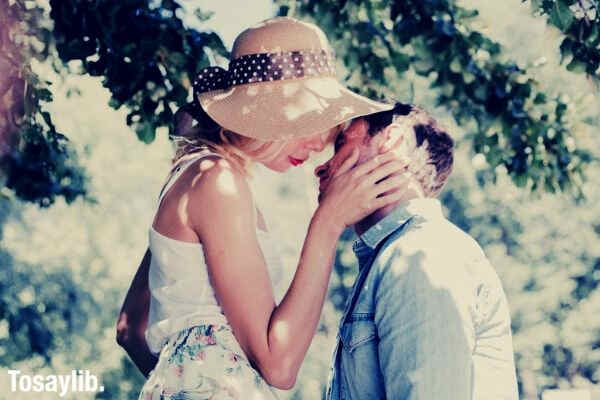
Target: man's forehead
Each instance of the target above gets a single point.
(342, 128)
(351, 130)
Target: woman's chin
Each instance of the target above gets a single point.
(277, 167)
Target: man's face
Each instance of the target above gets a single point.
(398, 137)
(355, 136)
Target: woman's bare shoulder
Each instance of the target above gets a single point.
(218, 190)
(219, 176)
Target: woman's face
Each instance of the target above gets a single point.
(298, 150)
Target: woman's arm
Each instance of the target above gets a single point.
(133, 319)
(274, 337)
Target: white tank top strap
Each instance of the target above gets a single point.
(180, 169)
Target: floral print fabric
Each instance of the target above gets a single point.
(204, 362)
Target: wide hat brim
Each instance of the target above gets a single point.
(284, 109)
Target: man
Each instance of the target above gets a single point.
(427, 318)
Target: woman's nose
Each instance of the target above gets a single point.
(317, 144)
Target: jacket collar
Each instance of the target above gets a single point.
(427, 208)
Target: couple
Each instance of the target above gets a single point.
(427, 317)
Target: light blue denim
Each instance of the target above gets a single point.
(431, 321)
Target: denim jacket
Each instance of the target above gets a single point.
(429, 322)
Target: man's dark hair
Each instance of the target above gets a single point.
(378, 121)
(440, 145)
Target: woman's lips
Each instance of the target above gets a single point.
(295, 161)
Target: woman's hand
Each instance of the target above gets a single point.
(354, 193)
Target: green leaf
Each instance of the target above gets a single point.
(44, 95)
(520, 180)
(577, 66)
(176, 59)
(463, 13)
(561, 15)
(540, 98)
(114, 103)
(48, 120)
(146, 133)
(566, 49)
(593, 35)
(536, 5)
(401, 61)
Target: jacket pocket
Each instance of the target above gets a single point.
(359, 360)
(358, 330)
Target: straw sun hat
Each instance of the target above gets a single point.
(280, 84)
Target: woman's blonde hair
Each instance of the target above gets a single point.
(194, 131)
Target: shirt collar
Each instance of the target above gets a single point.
(427, 208)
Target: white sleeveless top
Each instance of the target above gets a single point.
(181, 293)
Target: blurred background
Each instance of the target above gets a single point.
(87, 93)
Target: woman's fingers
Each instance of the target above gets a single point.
(355, 192)
(373, 163)
(387, 199)
(389, 145)
(348, 162)
(385, 170)
(400, 182)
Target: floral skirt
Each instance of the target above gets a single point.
(204, 362)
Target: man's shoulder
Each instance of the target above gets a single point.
(436, 247)
(437, 236)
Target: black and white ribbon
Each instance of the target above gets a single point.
(265, 67)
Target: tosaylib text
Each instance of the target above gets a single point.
(77, 381)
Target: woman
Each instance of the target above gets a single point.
(213, 321)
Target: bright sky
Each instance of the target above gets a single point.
(231, 16)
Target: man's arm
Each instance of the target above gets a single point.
(425, 341)
(133, 319)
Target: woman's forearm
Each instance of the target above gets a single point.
(294, 321)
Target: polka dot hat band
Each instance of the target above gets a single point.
(261, 67)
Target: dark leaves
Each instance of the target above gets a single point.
(144, 52)
(580, 23)
(476, 84)
(561, 15)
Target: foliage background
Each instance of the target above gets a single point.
(65, 268)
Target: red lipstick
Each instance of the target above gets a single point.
(295, 161)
